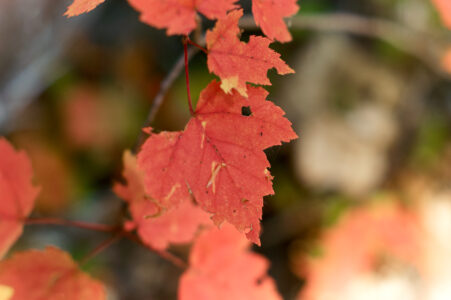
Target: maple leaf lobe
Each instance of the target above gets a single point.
(236, 62)
(221, 267)
(157, 226)
(179, 16)
(48, 274)
(269, 14)
(17, 193)
(79, 7)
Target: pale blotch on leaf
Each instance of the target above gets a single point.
(172, 191)
(6, 292)
(227, 84)
(215, 167)
(204, 125)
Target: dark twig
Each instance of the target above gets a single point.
(101, 247)
(118, 234)
(68, 223)
(176, 261)
(164, 88)
(188, 91)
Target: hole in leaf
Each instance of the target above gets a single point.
(246, 111)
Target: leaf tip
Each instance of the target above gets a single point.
(254, 236)
(79, 7)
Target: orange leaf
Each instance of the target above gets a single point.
(179, 16)
(157, 227)
(353, 246)
(269, 14)
(219, 157)
(51, 173)
(48, 274)
(221, 267)
(236, 62)
(17, 194)
(444, 8)
(79, 7)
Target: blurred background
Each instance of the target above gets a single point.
(362, 204)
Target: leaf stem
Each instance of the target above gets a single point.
(189, 41)
(68, 223)
(185, 52)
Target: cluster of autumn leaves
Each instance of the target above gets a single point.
(179, 182)
(218, 159)
(56, 276)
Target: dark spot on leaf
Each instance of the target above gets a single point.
(246, 111)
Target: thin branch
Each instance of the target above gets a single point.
(68, 223)
(188, 92)
(421, 45)
(176, 261)
(167, 83)
(119, 233)
(164, 88)
(101, 247)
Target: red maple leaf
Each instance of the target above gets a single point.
(48, 274)
(219, 157)
(383, 230)
(444, 8)
(236, 62)
(79, 7)
(17, 194)
(221, 267)
(157, 226)
(269, 14)
(51, 171)
(179, 16)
